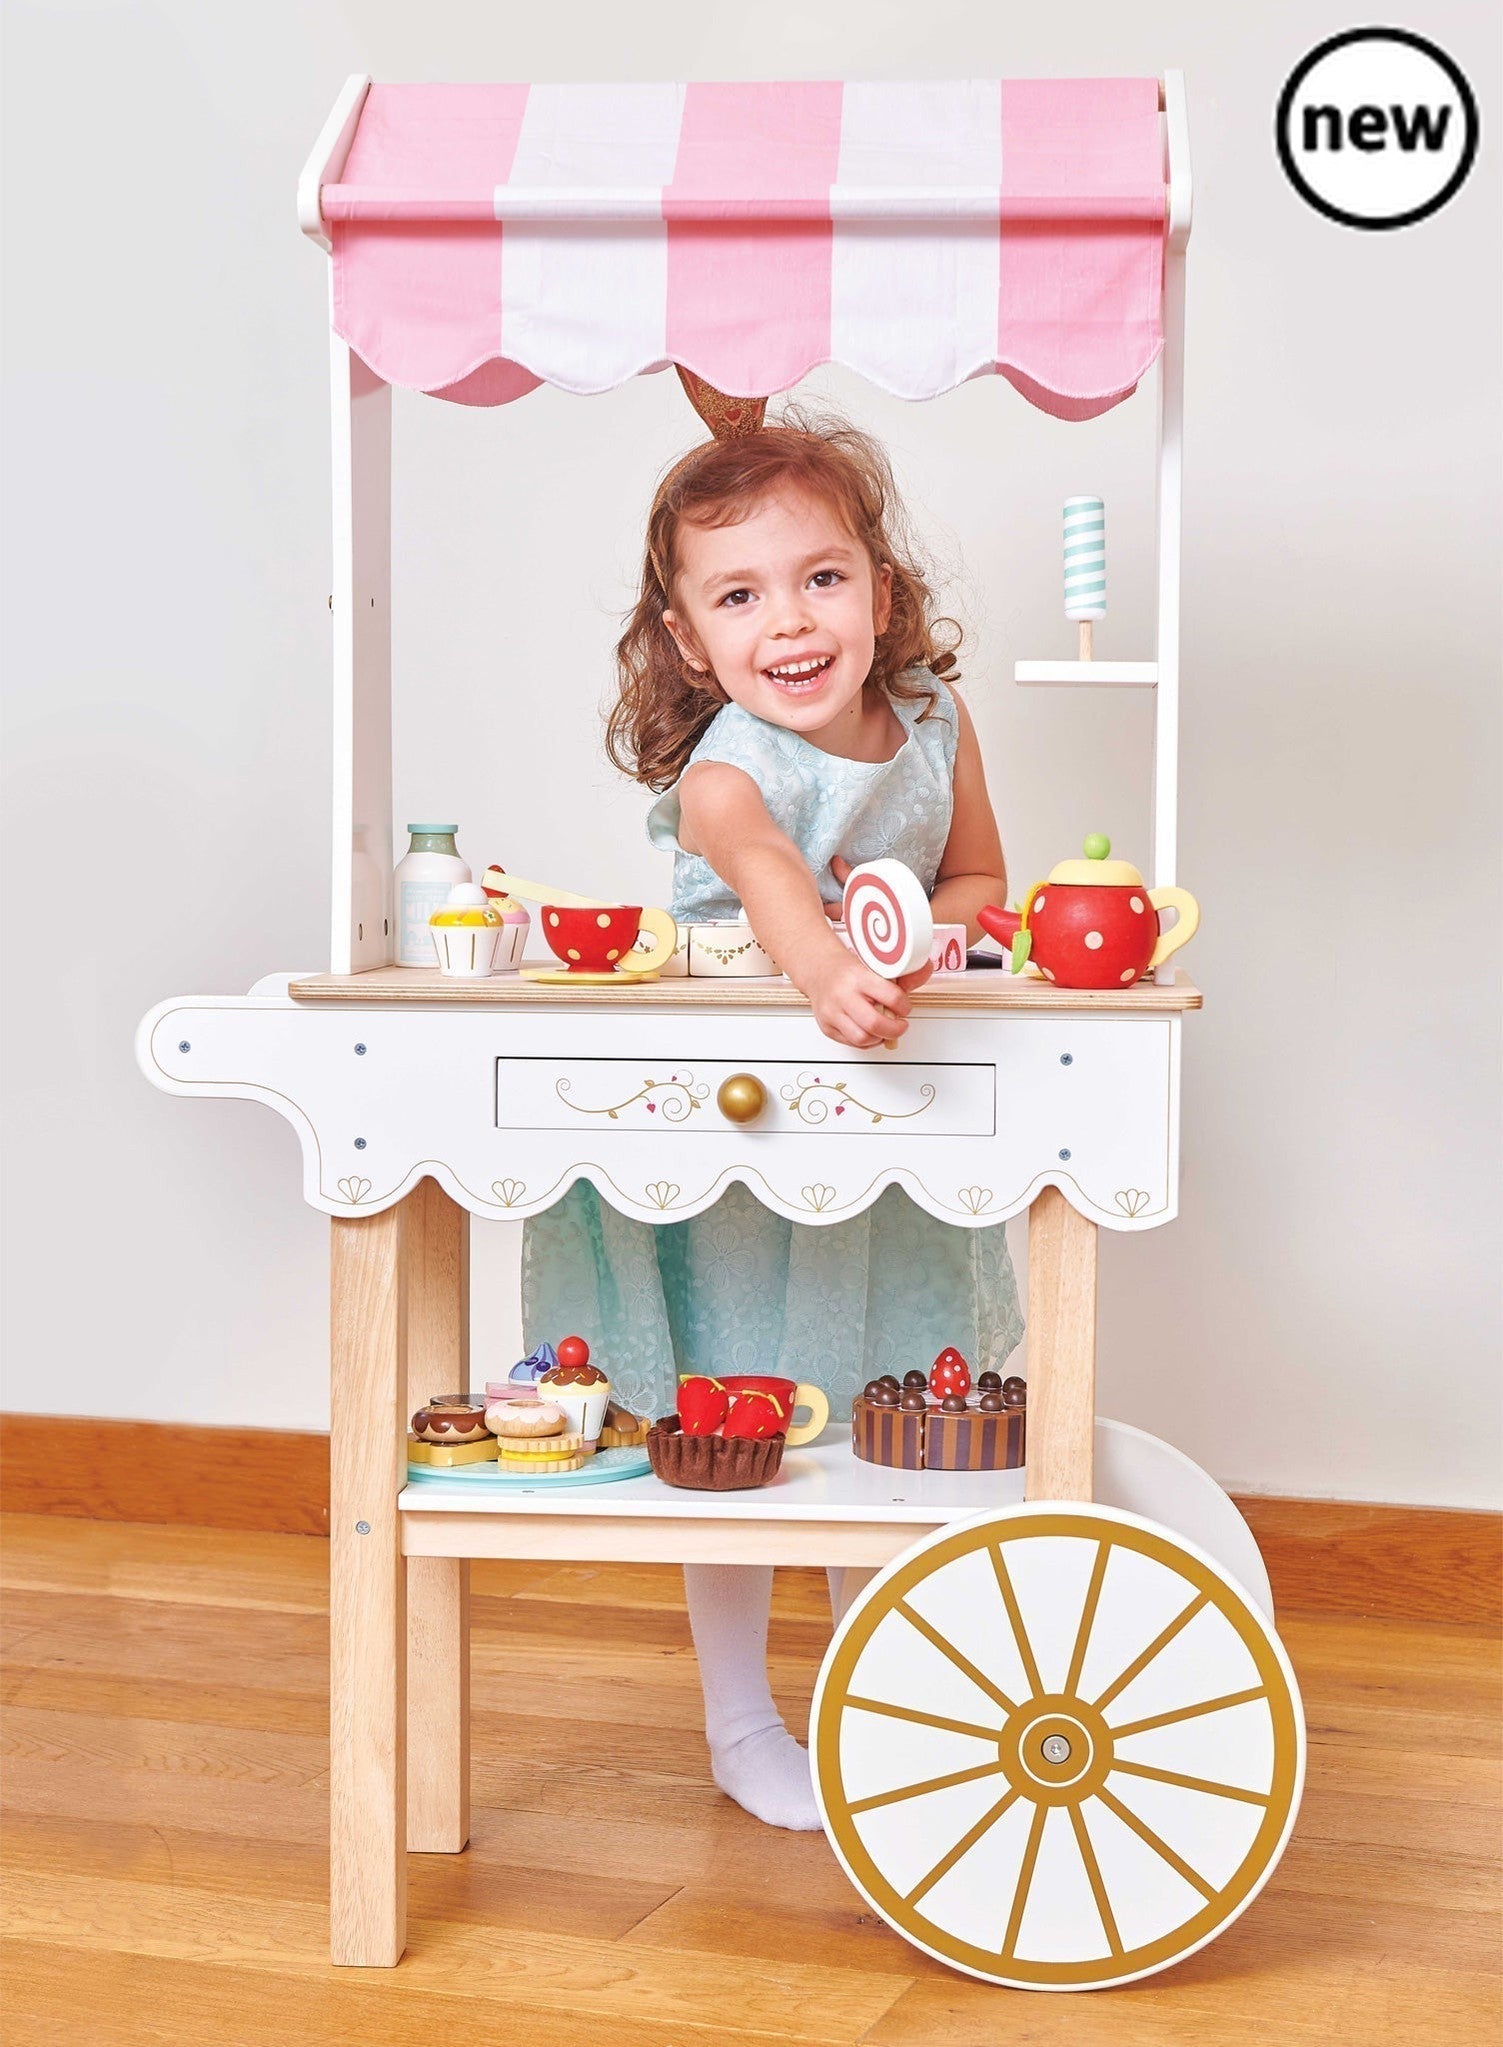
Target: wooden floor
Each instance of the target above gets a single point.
(165, 1791)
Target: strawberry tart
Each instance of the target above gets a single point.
(718, 1441)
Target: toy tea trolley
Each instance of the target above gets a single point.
(1056, 1742)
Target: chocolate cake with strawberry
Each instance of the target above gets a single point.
(940, 1422)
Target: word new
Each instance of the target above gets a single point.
(1367, 127)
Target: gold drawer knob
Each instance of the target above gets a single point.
(741, 1097)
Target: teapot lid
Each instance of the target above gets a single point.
(1096, 870)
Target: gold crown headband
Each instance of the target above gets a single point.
(727, 418)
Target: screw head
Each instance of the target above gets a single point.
(362, 1528)
(360, 1051)
(1065, 1154)
(183, 1045)
(1056, 1749)
(1067, 1058)
(360, 1146)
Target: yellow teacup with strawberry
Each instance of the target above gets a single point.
(787, 1396)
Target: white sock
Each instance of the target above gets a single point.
(753, 1757)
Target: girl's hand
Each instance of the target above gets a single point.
(853, 1005)
(727, 820)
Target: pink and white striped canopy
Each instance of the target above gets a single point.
(488, 238)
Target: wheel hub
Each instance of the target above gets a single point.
(1055, 1750)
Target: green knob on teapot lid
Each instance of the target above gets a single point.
(1096, 870)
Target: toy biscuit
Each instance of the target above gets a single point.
(531, 1467)
(445, 1456)
(622, 1430)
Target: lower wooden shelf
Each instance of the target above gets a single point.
(825, 1507)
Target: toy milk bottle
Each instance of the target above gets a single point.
(423, 880)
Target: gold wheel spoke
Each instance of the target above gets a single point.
(966, 1842)
(1160, 1641)
(1025, 1882)
(1191, 1783)
(921, 1790)
(1098, 1888)
(1087, 1618)
(924, 1719)
(953, 1655)
(1151, 1840)
(1015, 1615)
(1178, 1713)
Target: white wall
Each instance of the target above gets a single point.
(1323, 1318)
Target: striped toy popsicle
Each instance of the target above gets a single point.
(1085, 565)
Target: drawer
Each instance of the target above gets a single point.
(836, 1098)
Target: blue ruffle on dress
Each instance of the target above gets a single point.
(738, 1288)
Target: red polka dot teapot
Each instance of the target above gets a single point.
(1093, 924)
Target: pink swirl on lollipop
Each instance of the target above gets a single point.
(876, 922)
(888, 917)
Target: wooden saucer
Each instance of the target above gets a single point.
(561, 976)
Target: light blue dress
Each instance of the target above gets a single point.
(738, 1288)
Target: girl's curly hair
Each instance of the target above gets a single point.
(663, 706)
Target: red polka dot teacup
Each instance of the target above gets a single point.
(599, 939)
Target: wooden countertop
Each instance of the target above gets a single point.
(982, 990)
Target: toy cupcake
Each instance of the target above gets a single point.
(467, 933)
(515, 925)
(578, 1387)
(527, 1371)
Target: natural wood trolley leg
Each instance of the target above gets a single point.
(1061, 1350)
(436, 1249)
(367, 1618)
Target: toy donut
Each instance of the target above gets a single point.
(450, 1418)
(525, 1418)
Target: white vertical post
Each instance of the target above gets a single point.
(1170, 481)
(361, 930)
(330, 155)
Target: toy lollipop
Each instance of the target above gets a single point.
(888, 917)
(1085, 566)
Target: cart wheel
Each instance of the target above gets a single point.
(1057, 1748)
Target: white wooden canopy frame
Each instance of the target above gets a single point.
(362, 854)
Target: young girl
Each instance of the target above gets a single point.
(780, 680)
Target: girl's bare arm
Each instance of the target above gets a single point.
(725, 821)
(972, 870)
